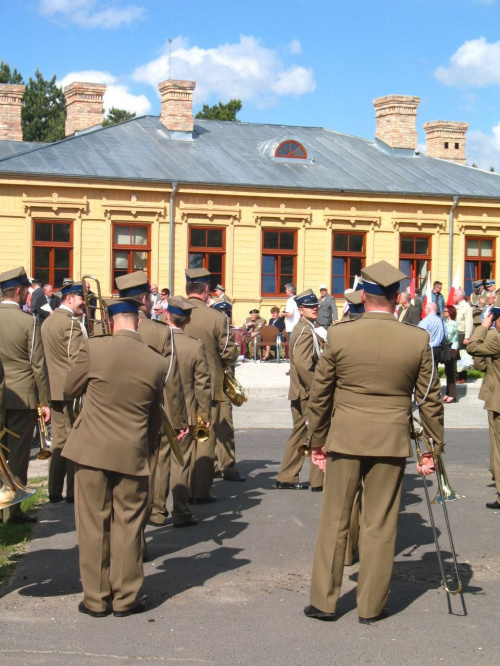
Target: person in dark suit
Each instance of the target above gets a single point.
(26, 377)
(359, 410)
(406, 311)
(45, 304)
(110, 444)
(276, 320)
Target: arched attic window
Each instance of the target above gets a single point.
(291, 150)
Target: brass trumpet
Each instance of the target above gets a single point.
(445, 494)
(97, 325)
(233, 389)
(172, 438)
(45, 439)
(11, 492)
(200, 432)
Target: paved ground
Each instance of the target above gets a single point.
(231, 591)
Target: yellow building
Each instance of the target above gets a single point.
(259, 205)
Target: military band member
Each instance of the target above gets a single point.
(62, 337)
(252, 325)
(485, 345)
(359, 411)
(225, 448)
(110, 445)
(220, 295)
(26, 378)
(195, 378)
(211, 327)
(305, 351)
(481, 289)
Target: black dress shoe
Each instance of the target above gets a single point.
(235, 477)
(316, 614)
(372, 620)
(316, 489)
(493, 505)
(203, 500)
(187, 523)
(218, 474)
(83, 609)
(140, 607)
(55, 498)
(286, 485)
(20, 519)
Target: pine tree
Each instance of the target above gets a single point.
(8, 76)
(221, 111)
(116, 116)
(43, 115)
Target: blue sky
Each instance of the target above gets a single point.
(299, 62)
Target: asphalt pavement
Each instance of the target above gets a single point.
(231, 590)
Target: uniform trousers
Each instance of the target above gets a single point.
(382, 478)
(225, 446)
(109, 513)
(22, 422)
(171, 475)
(494, 429)
(292, 460)
(62, 419)
(203, 459)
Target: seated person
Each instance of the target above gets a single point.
(277, 321)
(252, 326)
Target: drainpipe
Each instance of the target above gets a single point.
(171, 239)
(450, 248)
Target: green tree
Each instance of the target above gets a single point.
(220, 111)
(116, 116)
(8, 76)
(44, 110)
(492, 169)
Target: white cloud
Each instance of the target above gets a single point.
(295, 47)
(476, 63)
(117, 94)
(245, 70)
(484, 149)
(87, 15)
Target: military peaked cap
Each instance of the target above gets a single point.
(220, 287)
(197, 275)
(307, 299)
(133, 284)
(354, 300)
(381, 278)
(120, 305)
(224, 307)
(14, 278)
(178, 305)
(72, 288)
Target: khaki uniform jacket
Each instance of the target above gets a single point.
(158, 335)
(62, 338)
(212, 328)
(485, 344)
(303, 359)
(195, 375)
(121, 416)
(257, 325)
(373, 364)
(21, 353)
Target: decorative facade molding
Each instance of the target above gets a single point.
(210, 211)
(282, 214)
(117, 209)
(356, 219)
(54, 203)
(428, 223)
(471, 225)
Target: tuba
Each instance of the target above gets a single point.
(200, 432)
(233, 389)
(96, 313)
(11, 492)
(45, 438)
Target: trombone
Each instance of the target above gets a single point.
(200, 432)
(44, 435)
(98, 325)
(445, 494)
(11, 492)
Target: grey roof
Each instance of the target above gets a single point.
(239, 154)
(8, 148)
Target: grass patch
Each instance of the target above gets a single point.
(15, 538)
(471, 374)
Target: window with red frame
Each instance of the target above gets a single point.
(415, 260)
(279, 261)
(479, 260)
(207, 249)
(348, 258)
(291, 149)
(52, 251)
(131, 249)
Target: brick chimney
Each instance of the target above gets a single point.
(446, 139)
(11, 102)
(177, 106)
(396, 118)
(83, 106)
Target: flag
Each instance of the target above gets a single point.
(454, 286)
(426, 293)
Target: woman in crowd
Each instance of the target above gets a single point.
(450, 367)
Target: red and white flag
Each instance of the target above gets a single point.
(426, 293)
(454, 286)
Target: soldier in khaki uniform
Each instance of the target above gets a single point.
(195, 377)
(110, 443)
(62, 337)
(212, 329)
(305, 352)
(26, 377)
(481, 289)
(220, 295)
(359, 410)
(485, 346)
(252, 325)
(225, 448)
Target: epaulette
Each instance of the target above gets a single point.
(156, 350)
(408, 323)
(157, 321)
(346, 321)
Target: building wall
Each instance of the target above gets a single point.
(94, 207)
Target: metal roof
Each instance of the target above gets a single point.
(8, 148)
(236, 154)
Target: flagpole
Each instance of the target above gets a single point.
(450, 244)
